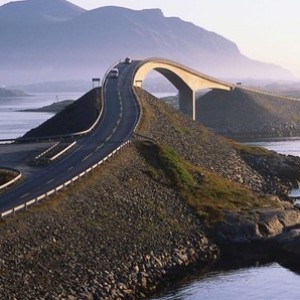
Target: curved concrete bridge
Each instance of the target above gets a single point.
(186, 80)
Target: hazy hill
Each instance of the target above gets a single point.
(83, 44)
(245, 113)
(11, 93)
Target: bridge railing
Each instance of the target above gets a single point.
(267, 93)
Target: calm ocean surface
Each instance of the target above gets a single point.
(14, 123)
(265, 282)
(255, 283)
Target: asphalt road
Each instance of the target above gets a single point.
(120, 115)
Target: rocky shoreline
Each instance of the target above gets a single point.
(127, 228)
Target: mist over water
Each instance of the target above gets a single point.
(14, 122)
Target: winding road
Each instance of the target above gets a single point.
(119, 117)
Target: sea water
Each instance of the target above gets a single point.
(265, 282)
(14, 122)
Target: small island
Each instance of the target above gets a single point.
(52, 108)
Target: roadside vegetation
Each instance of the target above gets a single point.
(209, 194)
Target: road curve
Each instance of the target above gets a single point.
(120, 115)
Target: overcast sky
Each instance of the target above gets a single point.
(266, 30)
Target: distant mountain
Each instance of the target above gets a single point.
(71, 43)
(36, 11)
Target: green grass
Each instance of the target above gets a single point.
(175, 168)
(215, 196)
(209, 194)
(183, 130)
(245, 149)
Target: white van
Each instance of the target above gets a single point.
(114, 73)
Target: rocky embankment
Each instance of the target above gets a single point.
(245, 113)
(168, 202)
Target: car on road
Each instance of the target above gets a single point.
(114, 73)
(128, 60)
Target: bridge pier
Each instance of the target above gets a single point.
(187, 102)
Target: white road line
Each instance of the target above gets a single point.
(25, 195)
(108, 138)
(50, 181)
(88, 156)
(70, 168)
(99, 147)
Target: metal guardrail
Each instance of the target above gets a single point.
(141, 137)
(267, 93)
(63, 151)
(14, 172)
(46, 151)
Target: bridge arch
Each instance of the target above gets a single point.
(186, 80)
